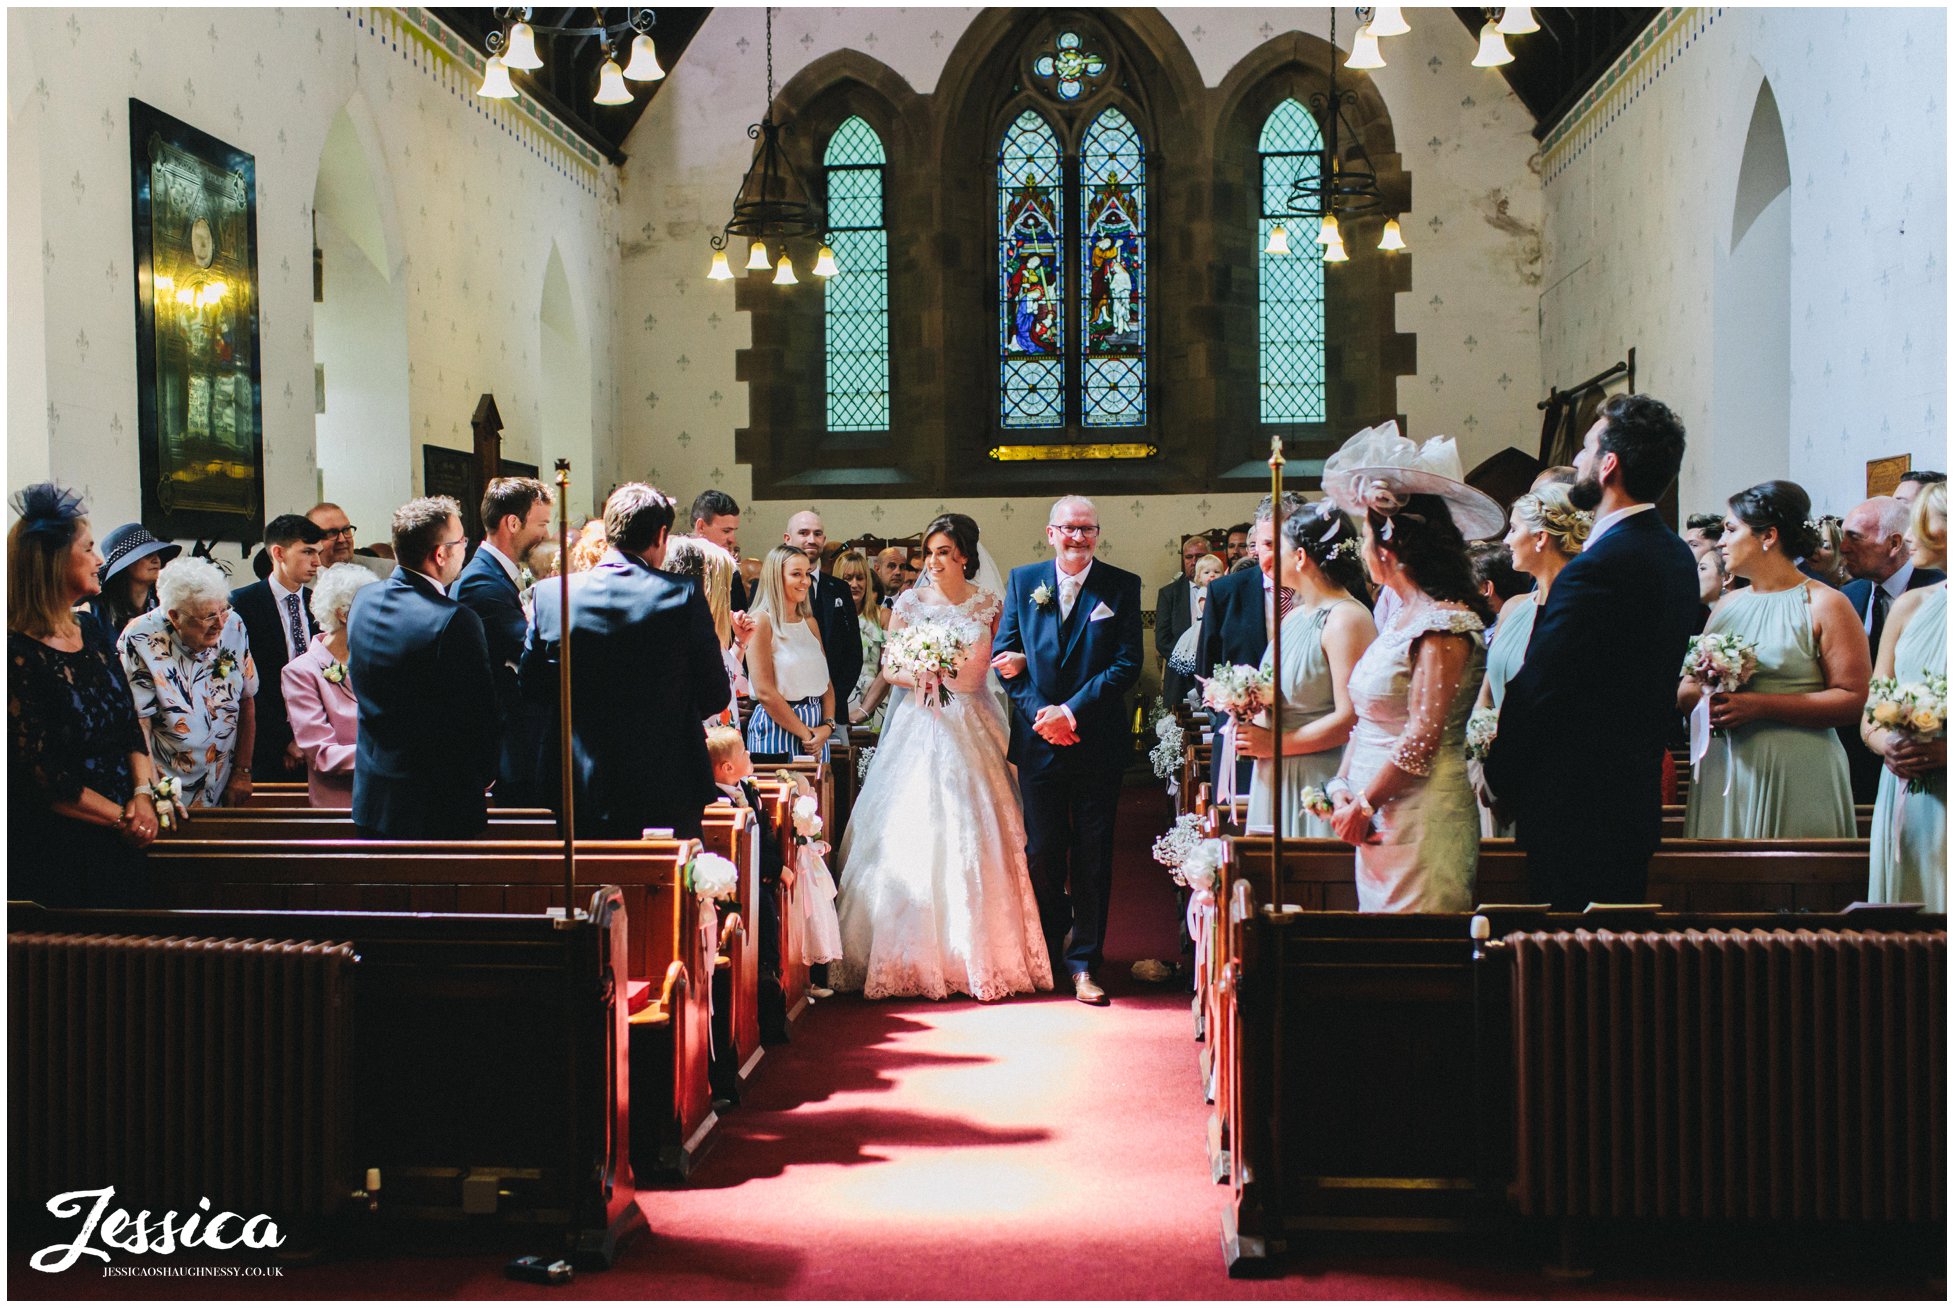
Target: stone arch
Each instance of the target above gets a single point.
(1751, 395)
(565, 416)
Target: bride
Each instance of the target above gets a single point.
(936, 895)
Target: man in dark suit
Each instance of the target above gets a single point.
(833, 604)
(1578, 759)
(1173, 614)
(427, 747)
(716, 517)
(1873, 541)
(277, 616)
(645, 674)
(1069, 648)
(1241, 612)
(516, 518)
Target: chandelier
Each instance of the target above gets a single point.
(513, 45)
(772, 205)
(1337, 190)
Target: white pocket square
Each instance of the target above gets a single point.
(1099, 611)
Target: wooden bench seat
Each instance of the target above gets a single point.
(299, 823)
(735, 834)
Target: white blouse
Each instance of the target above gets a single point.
(800, 669)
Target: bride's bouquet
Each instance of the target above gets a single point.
(1239, 690)
(1914, 709)
(931, 652)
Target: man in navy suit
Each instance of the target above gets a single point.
(645, 673)
(1577, 762)
(427, 747)
(1241, 611)
(516, 518)
(833, 604)
(1069, 648)
(1873, 541)
(277, 616)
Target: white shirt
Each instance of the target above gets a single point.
(278, 594)
(1069, 589)
(1607, 520)
(1894, 586)
(431, 580)
(508, 566)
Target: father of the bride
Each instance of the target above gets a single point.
(1069, 648)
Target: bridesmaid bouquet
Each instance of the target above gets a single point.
(1721, 662)
(1914, 709)
(1316, 803)
(1238, 690)
(930, 653)
(1481, 728)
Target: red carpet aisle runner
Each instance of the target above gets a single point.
(1035, 1149)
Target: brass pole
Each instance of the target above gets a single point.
(1275, 658)
(565, 760)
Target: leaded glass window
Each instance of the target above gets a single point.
(1112, 171)
(1031, 273)
(857, 303)
(1291, 338)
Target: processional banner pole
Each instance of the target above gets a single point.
(566, 761)
(1276, 787)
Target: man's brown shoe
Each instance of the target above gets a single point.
(1086, 990)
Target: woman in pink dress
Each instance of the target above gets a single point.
(319, 699)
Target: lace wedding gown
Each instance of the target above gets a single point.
(936, 895)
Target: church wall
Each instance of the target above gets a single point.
(1640, 199)
(1475, 262)
(476, 193)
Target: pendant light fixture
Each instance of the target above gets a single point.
(1492, 48)
(513, 46)
(1517, 20)
(521, 51)
(773, 205)
(1364, 53)
(1278, 240)
(610, 85)
(495, 81)
(1339, 188)
(1393, 238)
(756, 257)
(1388, 20)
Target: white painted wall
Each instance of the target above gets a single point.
(1640, 200)
(360, 338)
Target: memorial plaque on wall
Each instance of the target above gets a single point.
(452, 472)
(199, 402)
(1883, 475)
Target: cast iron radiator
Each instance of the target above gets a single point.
(180, 1069)
(1745, 1075)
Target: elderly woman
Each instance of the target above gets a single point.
(78, 777)
(189, 665)
(319, 700)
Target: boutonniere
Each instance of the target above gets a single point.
(1042, 596)
(226, 665)
(336, 673)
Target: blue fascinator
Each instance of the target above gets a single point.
(49, 510)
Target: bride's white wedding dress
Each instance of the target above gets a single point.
(936, 896)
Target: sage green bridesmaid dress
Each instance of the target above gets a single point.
(1910, 830)
(1306, 696)
(1509, 648)
(1784, 781)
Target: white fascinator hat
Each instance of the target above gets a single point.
(1380, 468)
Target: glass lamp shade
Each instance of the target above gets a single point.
(644, 61)
(1334, 253)
(824, 263)
(756, 257)
(522, 48)
(610, 85)
(1393, 238)
(1278, 240)
(495, 81)
(1517, 20)
(1330, 234)
(721, 270)
(1492, 49)
(1388, 20)
(1363, 51)
(784, 274)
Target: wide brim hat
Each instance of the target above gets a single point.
(128, 543)
(1380, 468)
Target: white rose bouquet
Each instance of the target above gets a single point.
(1238, 690)
(713, 877)
(1202, 865)
(1916, 710)
(931, 652)
(1481, 728)
(1722, 663)
(1173, 847)
(807, 819)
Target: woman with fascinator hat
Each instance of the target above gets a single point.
(1402, 797)
(78, 781)
(131, 560)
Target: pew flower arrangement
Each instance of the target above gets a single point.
(1170, 849)
(807, 819)
(1481, 728)
(1316, 803)
(1238, 690)
(929, 653)
(1721, 662)
(1914, 709)
(712, 877)
(1168, 755)
(1202, 864)
(863, 758)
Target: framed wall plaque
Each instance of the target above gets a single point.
(1883, 475)
(199, 397)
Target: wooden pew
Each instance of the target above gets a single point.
(777, 801)
(667, 961)
(485, 1078)
(298, 823)
(735, 834)
(1674, 817)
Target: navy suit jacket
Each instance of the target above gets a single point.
(645, 674)
(1578, 757)
(1235, 626)
(841, 637)
(258, 608)
(1173, 614)
(1084, 664)
(486, 589)
(427, 745)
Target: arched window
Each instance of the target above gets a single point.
(857, 304)
(1031, 274)
(1290, 285)
(1113, 172)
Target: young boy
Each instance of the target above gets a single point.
(732, 770)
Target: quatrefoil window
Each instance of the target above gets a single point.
(1069, 67)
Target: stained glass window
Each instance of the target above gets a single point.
(1291, 338)
(1031, 274)
(1068, 67)
(1112, 269)
(857, 304)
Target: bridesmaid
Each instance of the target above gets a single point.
(1910, 839)
(1780, 771)
(1324, 635)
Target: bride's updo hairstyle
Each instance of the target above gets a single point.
(962, 531)
(1326, 534)
(1427, 545)
(1782, 506)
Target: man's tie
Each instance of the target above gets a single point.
(1068, 595)
(295, 624)
(1285, 602)
(1881, 602)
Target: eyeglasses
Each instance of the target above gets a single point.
(450, 544)
(1076, 533)
(216, 617)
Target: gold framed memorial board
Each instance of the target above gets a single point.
(1883, 475)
